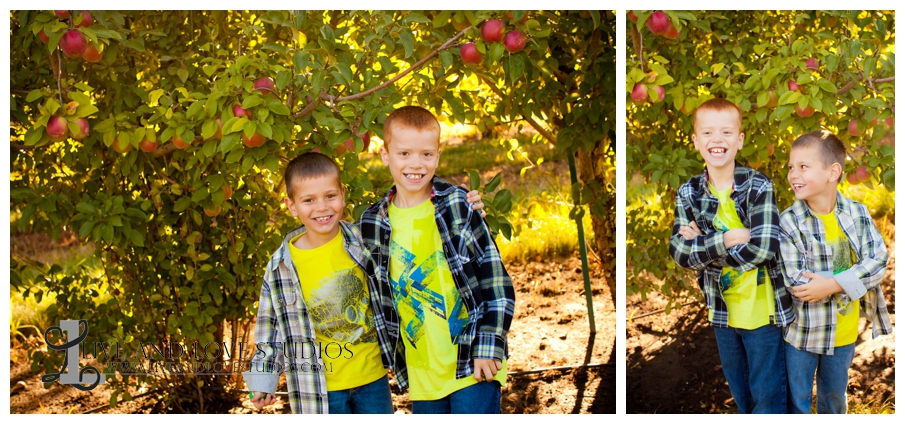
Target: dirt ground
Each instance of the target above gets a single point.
(550, 329)
(673, 365)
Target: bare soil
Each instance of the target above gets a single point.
(673, 365)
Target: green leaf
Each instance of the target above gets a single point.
(408, 43)
(474, 179)
(251, 102)
(137, 238)
(182, 204)
(34, 95)
(516, 67)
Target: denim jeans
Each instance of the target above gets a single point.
(480, 398)
(372, 398)
(832, 379)
(754, 365)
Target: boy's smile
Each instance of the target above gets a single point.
(412, 156)
(811, 180)
(318, 202)
(717, 137)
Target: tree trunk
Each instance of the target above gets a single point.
(593, 167)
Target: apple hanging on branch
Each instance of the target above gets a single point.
(73, 43)
(470, 54)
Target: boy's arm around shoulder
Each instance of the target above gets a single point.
(700, 251)
(764, 219)
(870, 269)
(496, 290)
(267, 363)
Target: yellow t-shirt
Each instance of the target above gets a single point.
(429, 305)
(749, 296)
(336, 294)
(843, 259)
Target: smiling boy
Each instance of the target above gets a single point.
(834, 259)
(446, 297)
(726, 230)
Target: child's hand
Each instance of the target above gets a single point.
(818, 288)
(261, 400)
(474, 198)
(736, 237)
(485, 369)
(691, 231)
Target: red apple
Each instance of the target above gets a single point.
(85, 21)
(853, 128)
(872, 123)
(92, 54)
(811, 63)
(862, 173)
(43, 36)
(219, 134)
(661, 93)
(804, 113)
(73, 43)
(770, 149)
(470, 54)
(83, 129)
(672, 33)
(147, 145)
(227, 192)
(239, 112)
(639, 92)
(265, 85)
(121, 147)
(62, 14)
(774, 101)
(57, 127)
(515, 41)
(632, 16)
(658, 22)
(492, 31)
(459, 26)
(793, 86)
(891, 122)
(255, 140)
(212, 212)
(852, 178)
(180, 143)
(510, 16)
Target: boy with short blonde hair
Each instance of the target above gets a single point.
(445, 295)
(834, 259)
(726, 230)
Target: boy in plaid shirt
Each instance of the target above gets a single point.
(833, 258)
(726, 230)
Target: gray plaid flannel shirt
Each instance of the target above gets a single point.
(752, 193)
(804, 248)
(285, 336)
(476, 267)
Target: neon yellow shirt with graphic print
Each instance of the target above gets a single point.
(843, 259)
(430, 308)
(748, 295)
(336, 293)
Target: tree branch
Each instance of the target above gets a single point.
(847, 87)
(323, 95)
(541, 130)
(639, 48)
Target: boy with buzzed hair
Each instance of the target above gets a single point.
(446, 297)
(726, 230)
(834, 259)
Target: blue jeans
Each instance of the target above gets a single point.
(480, 398)
(832, 379)
(372, 398)
(754, 365)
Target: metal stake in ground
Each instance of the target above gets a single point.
(581, 248)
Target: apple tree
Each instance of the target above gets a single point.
(791, 72)
(161, 136)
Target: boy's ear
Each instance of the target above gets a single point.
(384, 155)
(835, 172)
(288, 202)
